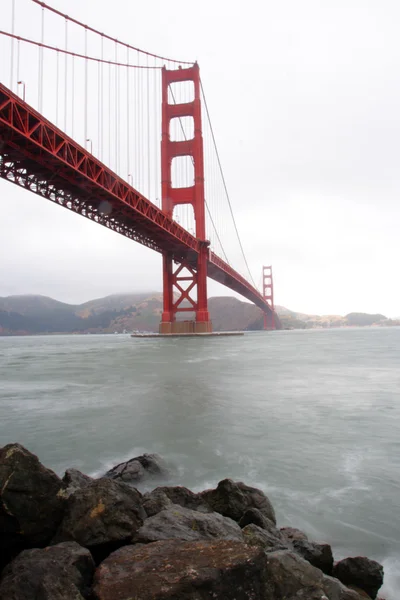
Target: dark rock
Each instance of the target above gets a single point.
(291, 534)
(74, 480)
(155, 501)
(62, 572)
(184, 497)
(102, 517)
(138, 468)
(319, 555)
(361, 572)
(335, 590)
(31, 506)
(232, 499)
(177, 522)
(176, 570)
(270, 540)
(153, 464)
(290, 576)
(128, 472)
(254, 515)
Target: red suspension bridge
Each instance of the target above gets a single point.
(80, 125)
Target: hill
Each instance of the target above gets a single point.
(24, 315)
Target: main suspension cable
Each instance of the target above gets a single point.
(108, 37)
(224, 182)
(208, 210)
(76, 54)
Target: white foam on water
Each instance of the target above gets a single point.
(353, 467)
(391, 587)
(110, 462)
(202, 359)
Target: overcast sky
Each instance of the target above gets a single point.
(304, 97)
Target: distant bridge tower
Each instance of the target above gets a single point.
(268, 294)
(190, 277)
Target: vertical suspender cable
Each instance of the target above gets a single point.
(155, 141)
(148, 124)
(66, 76)
(73, 97)
(86, 91)
(101, 102)
(137, 75)
(57, 84)
(128, 128)
(116, 109)
(139, 131)
(224, 182)
(188, 163)
(109, 116)
(40, 86)
(12, 45)
(118, 116)
(98, 106)
(18, 59)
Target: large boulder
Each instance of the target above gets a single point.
(290, 576)
(74, 480)
(102, 516)
(62, 572)
(177, 522)
(172, 569)
(31, 505)
(136, 469)
(181, 495)
(155, 501)
(232, 499)
(335, 590)
(292, 534)
(254, 515)
(360, 571)
(268, 539)
(319, 555)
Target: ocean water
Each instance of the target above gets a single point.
(310, 417)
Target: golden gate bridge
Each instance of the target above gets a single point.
(87, 121)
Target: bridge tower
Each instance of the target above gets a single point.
(268, 294)
(186, 281)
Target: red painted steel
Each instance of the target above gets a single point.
(268, 295)
(194, 195)
(39, 157)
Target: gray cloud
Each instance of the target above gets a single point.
(304, 98)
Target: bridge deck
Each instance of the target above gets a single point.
(39, 157)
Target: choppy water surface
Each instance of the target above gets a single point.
(311, 417)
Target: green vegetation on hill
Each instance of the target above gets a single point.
(131, 312)
(362, 319)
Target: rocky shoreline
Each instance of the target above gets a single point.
(80, 538)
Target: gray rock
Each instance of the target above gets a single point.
(288, 576)
(62, 572)
(177, 522)
(362, 572)
(101, 516)
(74, 480)
(139, 468)
(155, 501)
(232, 499)
(335, 590)
(255, 516)
(177, 570)
(270, 540)
(31, 506)
(184, 497)
(292, 534)
(319, 555)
